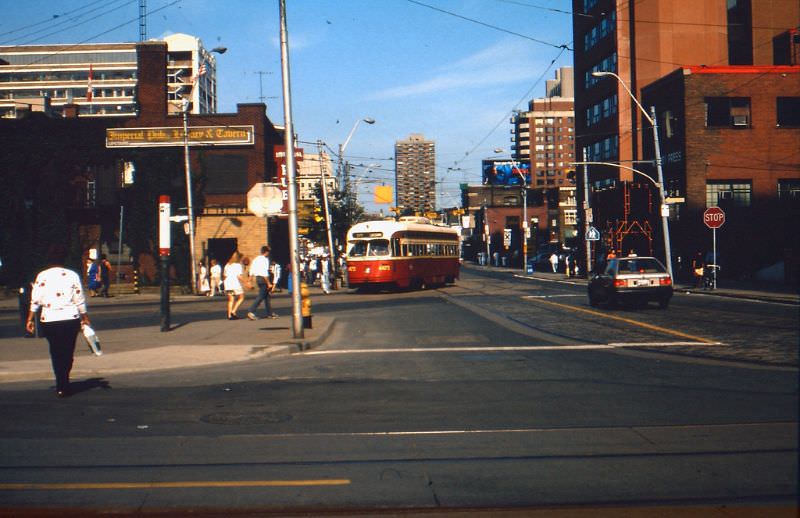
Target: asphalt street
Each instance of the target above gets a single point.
(498, 394)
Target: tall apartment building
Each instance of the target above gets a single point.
(545, 136)
(415, 174)
(100, 79)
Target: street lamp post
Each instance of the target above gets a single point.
(345, 183)
(342, 147)
(185, 108)
(652, 119)
(189, 206)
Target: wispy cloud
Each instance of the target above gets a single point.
(506, 61)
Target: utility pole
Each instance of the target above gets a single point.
(332, 269)
(587, 216)
(297, 301)
(664, 208)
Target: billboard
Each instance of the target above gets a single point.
(506, 172)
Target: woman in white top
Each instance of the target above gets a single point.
(57, 291)
(216, 277)
(202, 286)
(234, 275)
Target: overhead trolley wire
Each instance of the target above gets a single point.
(542, 42)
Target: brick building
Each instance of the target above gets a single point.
(730, 138)
(642, 42)
(91, 182)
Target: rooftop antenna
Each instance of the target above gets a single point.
(261, 74)
(142, 20)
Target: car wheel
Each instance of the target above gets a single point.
(593, 301)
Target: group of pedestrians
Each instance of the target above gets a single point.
(317, 268)
(98, 274)
(239, 275)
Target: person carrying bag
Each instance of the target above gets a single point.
(58, 293)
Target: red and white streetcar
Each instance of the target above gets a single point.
(410, 253)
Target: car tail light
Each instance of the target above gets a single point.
(620, 283)
(665, 281)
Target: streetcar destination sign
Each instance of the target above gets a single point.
(714, 217)
(173, 136)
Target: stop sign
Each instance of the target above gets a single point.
(714, 217)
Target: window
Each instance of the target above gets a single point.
(727, 112)
(789, 190)
(788, 111)
(669, 124)
(736, 193)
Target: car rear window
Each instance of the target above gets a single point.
(642, 265)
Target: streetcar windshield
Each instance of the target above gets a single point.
(372, 248)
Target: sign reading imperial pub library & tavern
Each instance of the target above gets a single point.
(173, 136)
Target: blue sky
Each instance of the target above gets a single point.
(404, 63)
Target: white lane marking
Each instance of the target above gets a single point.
(516, 348)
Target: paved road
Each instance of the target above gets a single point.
(494, 393)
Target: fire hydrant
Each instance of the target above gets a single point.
(306, 305)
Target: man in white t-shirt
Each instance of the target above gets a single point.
(260, 270)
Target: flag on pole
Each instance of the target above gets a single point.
(89, 89)
(201, 71)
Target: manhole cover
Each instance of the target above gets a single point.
(240, 418)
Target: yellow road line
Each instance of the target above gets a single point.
(180, 484)
(628, 320)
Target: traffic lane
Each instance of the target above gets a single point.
(513, 431)
(417, 319)
(722, 328)
(500, 468)
(396, 386)
(390, 393)
(750, 330)
(561, 310)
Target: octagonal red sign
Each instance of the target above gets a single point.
(714, 217)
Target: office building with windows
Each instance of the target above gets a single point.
(544, 135)
(730, 138)
(642, 42)
(415, 175)
(310, 171)
(101, 79)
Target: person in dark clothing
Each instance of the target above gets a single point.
(105, 275)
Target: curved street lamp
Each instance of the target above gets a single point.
(651, 118)
(344, 178)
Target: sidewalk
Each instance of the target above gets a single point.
(752, 290)
(189, 343)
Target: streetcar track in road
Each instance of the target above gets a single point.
(645, 325)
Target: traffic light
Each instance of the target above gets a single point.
(318, 218)
(571, 175)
